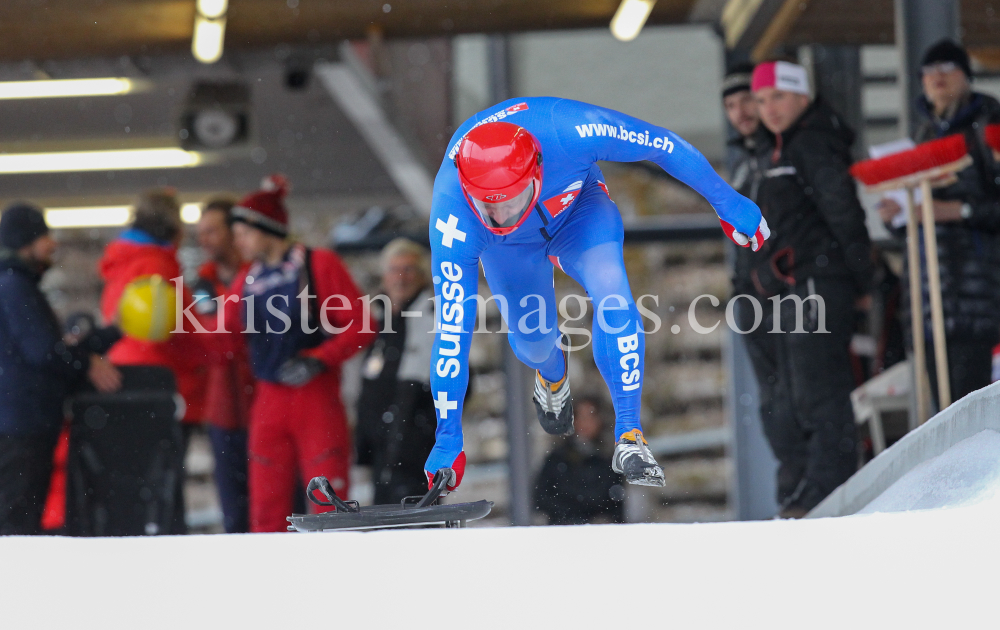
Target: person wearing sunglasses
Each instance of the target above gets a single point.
(967, 221)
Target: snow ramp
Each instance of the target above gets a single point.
(961, 477)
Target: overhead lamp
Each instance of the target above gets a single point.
(629, 18)
(191, 212)
(63, 88)
(111, 216)
(69, 161)
(106, 216)
(216, 115)
(209, 30)
(213, 9)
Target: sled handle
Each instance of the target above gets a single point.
(323, 485)
(438, 485)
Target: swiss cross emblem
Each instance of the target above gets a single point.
(560, 202)
(520, 107)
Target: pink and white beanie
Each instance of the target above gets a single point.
(781, 75)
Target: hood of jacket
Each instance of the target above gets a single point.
(819, 118)
(755, 142)
(963, 117)
(126, 259)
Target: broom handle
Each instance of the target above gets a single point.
(937, 312)
(916, 309)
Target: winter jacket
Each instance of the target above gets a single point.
(276, 307)
(811, 205)
(37, 370)
(968, 250)
(230, 387)
(750, 155)
(133, 255)
(396, 420)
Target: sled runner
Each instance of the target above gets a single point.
(411, 512)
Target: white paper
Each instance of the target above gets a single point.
(877, 151)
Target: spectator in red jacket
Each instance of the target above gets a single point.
(229, 392)
(301, 317)
(149, 247)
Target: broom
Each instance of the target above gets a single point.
(992, 134)
(933, 163)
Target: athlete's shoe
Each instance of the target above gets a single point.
(553, 401)
(633, 459)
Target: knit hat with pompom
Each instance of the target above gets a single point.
(265, 209)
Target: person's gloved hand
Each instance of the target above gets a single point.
(457, 466)
(298, 371)
(204, 290)
(754, 242)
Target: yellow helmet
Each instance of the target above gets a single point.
(148, 308)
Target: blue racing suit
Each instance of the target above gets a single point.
(574, 225)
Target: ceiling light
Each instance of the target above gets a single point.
(69, 161)
(212, 9)
(191, 212)
(106, 216)
(110, 216)
(629, 18)
(209, 30)
(63, 88)
(208, 38)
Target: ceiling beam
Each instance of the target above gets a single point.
(778, 29)
(744, 21)
(64, 29)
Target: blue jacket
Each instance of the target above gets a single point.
(37, 370)
(277, 314)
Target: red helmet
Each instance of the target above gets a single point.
(500, 170)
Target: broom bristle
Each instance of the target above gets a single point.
(993, 136)
(927, 156)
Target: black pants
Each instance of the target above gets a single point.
(778, 420)
(970, 367)
(229, 446)
(25, 473)
(806, 379)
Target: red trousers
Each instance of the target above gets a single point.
(295, 430)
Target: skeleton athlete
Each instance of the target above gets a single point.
(521, 192)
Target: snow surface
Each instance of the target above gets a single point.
(965, 474)
(927, 569)
(930, 568)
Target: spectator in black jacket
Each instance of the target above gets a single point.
(37, 370)
(751, 152)
(815, 267)
(967, 222)
(575, 485)
(396, 420)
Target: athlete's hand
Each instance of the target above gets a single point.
(457, 471)
(754, 242)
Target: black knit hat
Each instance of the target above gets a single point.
(737, 79)
(947, 50)
(21, 224)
